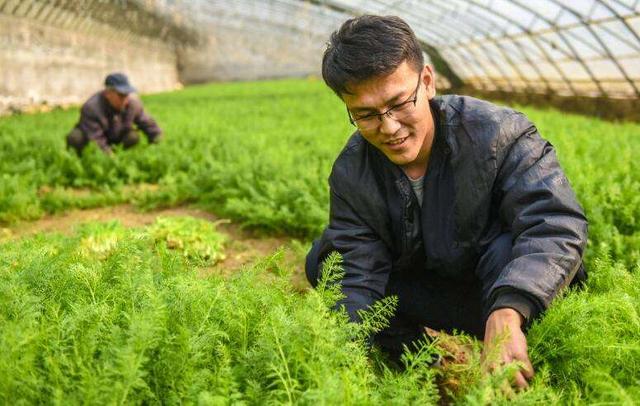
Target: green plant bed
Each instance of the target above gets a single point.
(105, 317)
(116, 315)
(260, 153)
(93, 324)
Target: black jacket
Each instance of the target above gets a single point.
(506, 178)
(102, 123)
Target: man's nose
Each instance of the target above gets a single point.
(389, 124)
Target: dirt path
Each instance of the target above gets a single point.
(243, 247)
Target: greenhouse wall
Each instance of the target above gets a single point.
(243, 53)
(64, 63)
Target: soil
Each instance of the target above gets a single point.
(242, 249)
(458, 354)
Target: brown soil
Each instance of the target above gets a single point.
(455, 369)
(242, 249)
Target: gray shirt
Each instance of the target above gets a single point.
(418, 188)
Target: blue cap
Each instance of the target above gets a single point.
(119, 82)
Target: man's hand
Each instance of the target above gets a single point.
(504, 328)
(156, 138)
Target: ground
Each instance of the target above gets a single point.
(243, 248)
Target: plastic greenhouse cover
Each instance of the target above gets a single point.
(570, 40)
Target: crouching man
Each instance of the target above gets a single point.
(108, 118)
(455, 205)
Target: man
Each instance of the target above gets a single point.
(455, 205)
(108, 118)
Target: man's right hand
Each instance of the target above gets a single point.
(507, 322)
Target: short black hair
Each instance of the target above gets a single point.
(366, 47)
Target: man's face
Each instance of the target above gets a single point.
(117, 100)
(405, 137)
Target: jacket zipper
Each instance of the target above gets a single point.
(407, 220)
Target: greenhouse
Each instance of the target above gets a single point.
(254, 202)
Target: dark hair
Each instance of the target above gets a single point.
(366, 47)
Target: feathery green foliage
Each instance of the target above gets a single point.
(109, 315)
(232, 148)
(126, 323)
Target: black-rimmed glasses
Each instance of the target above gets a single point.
(398, 112)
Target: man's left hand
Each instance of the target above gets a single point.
(504, 328)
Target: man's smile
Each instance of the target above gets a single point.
(396, 143)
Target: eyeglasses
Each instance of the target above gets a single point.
(400, 111)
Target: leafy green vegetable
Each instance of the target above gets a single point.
(197, 239)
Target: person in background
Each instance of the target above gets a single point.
(456, 206)
(109, 116)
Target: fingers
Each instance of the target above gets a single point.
(527, 370)
(520, 354)
(520, 380)
(521, 377)
(513, 351)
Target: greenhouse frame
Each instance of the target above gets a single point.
(545, 51)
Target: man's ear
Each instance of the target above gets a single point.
(429, 80)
